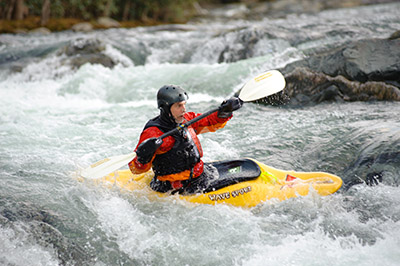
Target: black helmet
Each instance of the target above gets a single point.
(168, 95)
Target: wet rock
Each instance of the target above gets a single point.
(83, 27)
(108, 22)
(319, 87)
(395, 35)
(331, 93)
(16, 67)
(229, 11)
(361, 71)
(375, 160)
(84, 46)
(82, 51)
(240, 45)
(365, 60)
(374, 179)
(41, 30)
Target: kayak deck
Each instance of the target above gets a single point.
(271, 184)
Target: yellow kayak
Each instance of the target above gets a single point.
(243, 183)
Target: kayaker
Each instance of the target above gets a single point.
(176, 160)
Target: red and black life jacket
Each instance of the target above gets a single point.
(181, 158)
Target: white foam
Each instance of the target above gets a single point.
(18, 248)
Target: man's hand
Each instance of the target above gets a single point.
(147, 148)
(228, 106)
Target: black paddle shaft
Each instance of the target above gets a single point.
(187, 124)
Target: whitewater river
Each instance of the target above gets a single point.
(56, 120)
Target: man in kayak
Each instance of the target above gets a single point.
(176, 160)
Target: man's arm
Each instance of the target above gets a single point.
(147, 149)
(210, 123)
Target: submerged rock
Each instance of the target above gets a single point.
(42, 226)
(373, 169)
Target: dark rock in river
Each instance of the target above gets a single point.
(82, 51)
(241, 46)
(304, 87)
(395, 35)
(361, 71)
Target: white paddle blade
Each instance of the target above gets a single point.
(107, 166)
(263, 85)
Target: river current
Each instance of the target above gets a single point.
(56, 120)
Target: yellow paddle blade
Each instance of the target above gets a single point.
(263, 85)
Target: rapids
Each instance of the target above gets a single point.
(56, 119)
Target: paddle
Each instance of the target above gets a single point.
(259, 87)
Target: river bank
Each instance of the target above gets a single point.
(31, 25)
(249, 10)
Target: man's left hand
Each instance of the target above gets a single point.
(228, 106)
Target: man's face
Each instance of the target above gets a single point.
(178, 110)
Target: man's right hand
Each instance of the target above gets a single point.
(147, 148)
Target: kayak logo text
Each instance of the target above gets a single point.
(228, 195)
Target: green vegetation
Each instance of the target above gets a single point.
(62, 14)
